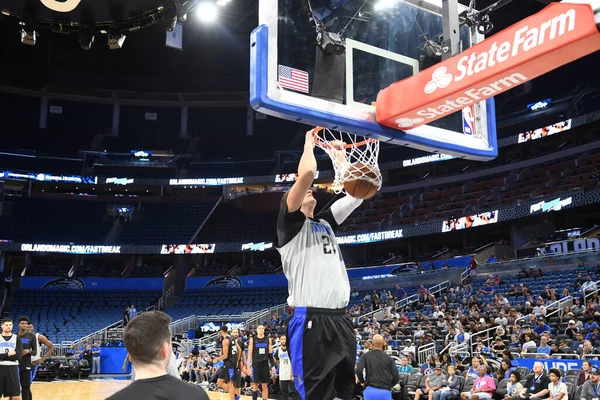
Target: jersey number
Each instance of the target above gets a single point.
(328, 248)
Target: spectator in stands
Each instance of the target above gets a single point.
(544, 348)
(505, 369)
(355, 293)
(585, 374)
(577, 309)
(462, 336)
(528, 343)
(132, 312)
(577, 343)
(450, 385)
(539, 310)
(483, 387)
(432, 384)
(581, 268)
(148, 341)
(498, 347)
(514, 387)
(546, 293)
(542, 326)
(590, 325)
(524, 290)
(405, 367)
(473, 372)
(571, 330)
(492, 259)
(536, 385)
(429, 366)
(522, 274)
(589, 390)
(587, 349)
(473, 268)
(557, 389)
(96, 352)
(589, 286)
(594, 337)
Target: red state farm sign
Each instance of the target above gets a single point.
(555, 36)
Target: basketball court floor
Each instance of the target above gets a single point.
(90, 390)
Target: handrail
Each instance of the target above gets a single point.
(473, 343)
(560, 305)
(585, 297)
(409, 300)
(569, 355)
(205, 219)
(424, 352)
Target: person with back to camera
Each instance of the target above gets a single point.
(321, 336)
(148, 341)
(377, 372)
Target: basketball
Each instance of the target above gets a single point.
(356, 183)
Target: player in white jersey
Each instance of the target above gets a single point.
(321, 337)
(282, 357)
(38, 359)
(11, 349)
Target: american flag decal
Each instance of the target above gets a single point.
(294, 79)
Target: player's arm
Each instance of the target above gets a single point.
(341, 209)
(250, 350)
(271, 359)
(18, 351)
(239, 353)
(360, 367)
(307, 170)
(50, 347)
(34, 346)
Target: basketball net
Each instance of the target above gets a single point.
(357, 160)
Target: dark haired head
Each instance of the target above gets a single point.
(23, 318)
(516, 374)
(4, 320)
(224, 328)
(145, 338)
(555, 371)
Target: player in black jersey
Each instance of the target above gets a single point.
(230, 354)
(260, 354)
(237, 379)
(30, 348)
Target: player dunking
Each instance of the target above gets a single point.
(38, 358)
(321, 337)
(11, 349)
(30, 348)
(260, 354)
(230, 354)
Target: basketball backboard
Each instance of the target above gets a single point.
(385, 43)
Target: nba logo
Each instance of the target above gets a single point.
(468, 121)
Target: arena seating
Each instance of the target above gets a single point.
(35, 220)
(70, 315)
(231, 224)
(166, 223)
(436, 203)
(226, 302)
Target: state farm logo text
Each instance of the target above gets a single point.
(61, 6)
(524, 40)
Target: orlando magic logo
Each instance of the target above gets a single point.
(64, 284)
(224, 282)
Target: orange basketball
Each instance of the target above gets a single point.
(355, 183)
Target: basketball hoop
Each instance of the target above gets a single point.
(355, 160)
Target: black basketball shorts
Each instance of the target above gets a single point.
(9, 381)
(227, 374)
(237, 378)
(322, 348)
(25, 377)
(260, 372)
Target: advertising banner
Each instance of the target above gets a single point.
(107, 284)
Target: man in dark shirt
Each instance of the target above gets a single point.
(536, 386)
(30, 348)
(87, 354)
(377, 371)
(148, 341)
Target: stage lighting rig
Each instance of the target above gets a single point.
(481, 19)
